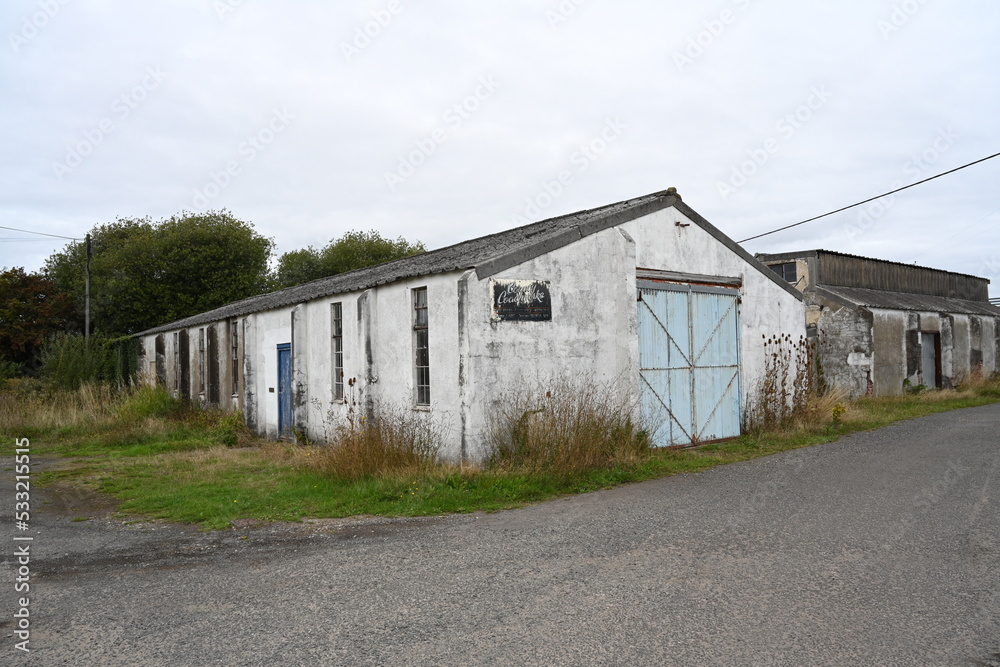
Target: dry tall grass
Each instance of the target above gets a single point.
(395, 441)
(979, 382)
(111, 415)
(573, 427)
(26, 406)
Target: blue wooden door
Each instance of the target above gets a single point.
(285, 389)
(689, 364)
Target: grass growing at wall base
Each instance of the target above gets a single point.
(164, 461)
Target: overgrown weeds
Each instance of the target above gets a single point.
(570, 428)
(29, 406)
(94, 418)
(165, 459)
(980, 383)
(791, 391)
(394, 441)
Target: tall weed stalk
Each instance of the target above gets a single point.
(791, 390)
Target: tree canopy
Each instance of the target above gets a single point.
(353, 250)
(146, 273)
(32, 309)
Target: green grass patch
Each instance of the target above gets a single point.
(167, 461)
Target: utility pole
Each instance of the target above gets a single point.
(86, 298)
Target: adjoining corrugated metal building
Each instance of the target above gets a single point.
(644, 291)
(885, 326)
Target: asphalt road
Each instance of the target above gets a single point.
(880, 549)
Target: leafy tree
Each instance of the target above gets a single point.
(146, 273)
(353, 250)
(32, 308)
(299, 266)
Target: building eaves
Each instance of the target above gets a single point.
(488, 255)
(868, 298)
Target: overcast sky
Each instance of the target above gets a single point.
(443, 121)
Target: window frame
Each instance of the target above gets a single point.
(177, 363)
(235, 360)
(421, 348)
(337, 349)
(201, 361)
(782, 271)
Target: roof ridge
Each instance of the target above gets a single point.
(487, 254)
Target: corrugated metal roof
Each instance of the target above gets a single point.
(802, 254)
(487, 254)
(870, 298)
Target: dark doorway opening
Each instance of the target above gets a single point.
(930, 359)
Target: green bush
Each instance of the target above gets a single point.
(8, 369)
(146, 402)
(231, 430)
(69, 362)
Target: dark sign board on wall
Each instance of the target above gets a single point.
(521, 300)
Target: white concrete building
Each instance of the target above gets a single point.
(644, 291)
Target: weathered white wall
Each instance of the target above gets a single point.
(378, 355)
(594, 329)
(892, 340)
(961, 345)
(473, 359)
(889, 359)
(263, 333)
(592, 334)
(989, 345)
(766, 308)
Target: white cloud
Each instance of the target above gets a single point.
(353, 119)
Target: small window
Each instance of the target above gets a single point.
(235, 356)
(201, 361)
(786, 271)
(177, 363)
(422, 361)
(337, 349)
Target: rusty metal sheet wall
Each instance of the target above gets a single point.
(851, 271)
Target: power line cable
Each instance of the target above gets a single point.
(13, 238)
(28, 231)
(938, 247)
(886, 194)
